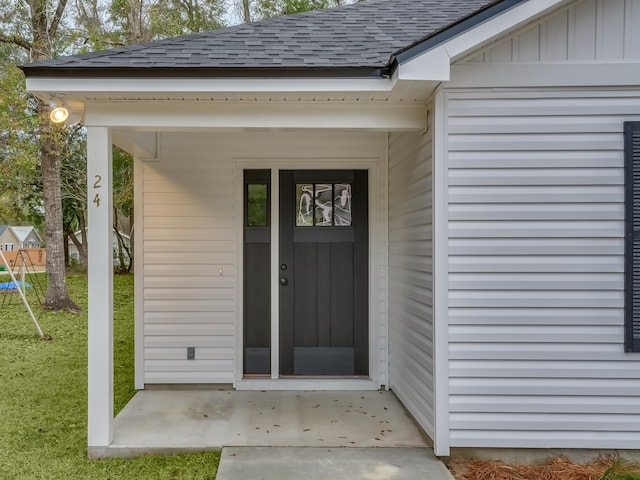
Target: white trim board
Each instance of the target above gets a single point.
(542, 75)
(442, 437)
(138, 276)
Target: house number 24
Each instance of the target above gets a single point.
(97, 184)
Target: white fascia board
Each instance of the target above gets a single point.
(131, 86)
(435, 64)
(170, 115)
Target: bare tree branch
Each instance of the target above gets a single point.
(15, 40)
(53, 28)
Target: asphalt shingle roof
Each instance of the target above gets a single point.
(362, 35)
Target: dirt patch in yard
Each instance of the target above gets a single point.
(557, 469)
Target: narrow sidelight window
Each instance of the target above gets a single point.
(257, 263)
(257, 204)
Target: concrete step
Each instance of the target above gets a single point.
(313, 463)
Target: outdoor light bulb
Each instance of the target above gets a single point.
(59, 114)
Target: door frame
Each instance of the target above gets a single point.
(375, 167)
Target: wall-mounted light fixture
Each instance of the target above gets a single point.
(60, 111)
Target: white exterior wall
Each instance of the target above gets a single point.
(536, 265)
(411, 329)
(535, 192)
(190, 260)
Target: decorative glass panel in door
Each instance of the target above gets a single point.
(304, 204)
(323, 204)
(342, 205)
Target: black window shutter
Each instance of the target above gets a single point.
(632, 235)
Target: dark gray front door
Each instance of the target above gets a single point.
(324, 273)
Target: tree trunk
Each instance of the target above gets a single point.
(67, 260)
(82, 247)
(246, 11)
(123, 252)
(57, 296)
(132, 239)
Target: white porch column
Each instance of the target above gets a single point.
(100, 224)
(440, 192)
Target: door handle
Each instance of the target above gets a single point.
(283, 281)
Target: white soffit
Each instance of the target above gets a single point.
(435, 64)
(102, 88)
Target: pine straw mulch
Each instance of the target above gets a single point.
(557, 469)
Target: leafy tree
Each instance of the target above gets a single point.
(125, 22)
(73, 170)
(123, 219)
(181, 17)
(257, 9)
(20, 181)
(34, 27)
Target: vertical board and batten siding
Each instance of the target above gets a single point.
(411, 359)
(586, 31)
(536, 270)
(190, 242)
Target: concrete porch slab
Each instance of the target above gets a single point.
(166, 421)
(286, 463)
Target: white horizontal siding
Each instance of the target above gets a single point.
(189, 262)
(596, 248)
(204, 353)
(588, 30)
(190, 377)
(188, 238)
(411, 356)
(212, 341)
(495, 262)
(536, 270)
(553, 405)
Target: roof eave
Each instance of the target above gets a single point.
(385, 71)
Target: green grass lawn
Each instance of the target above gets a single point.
(43, 404)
